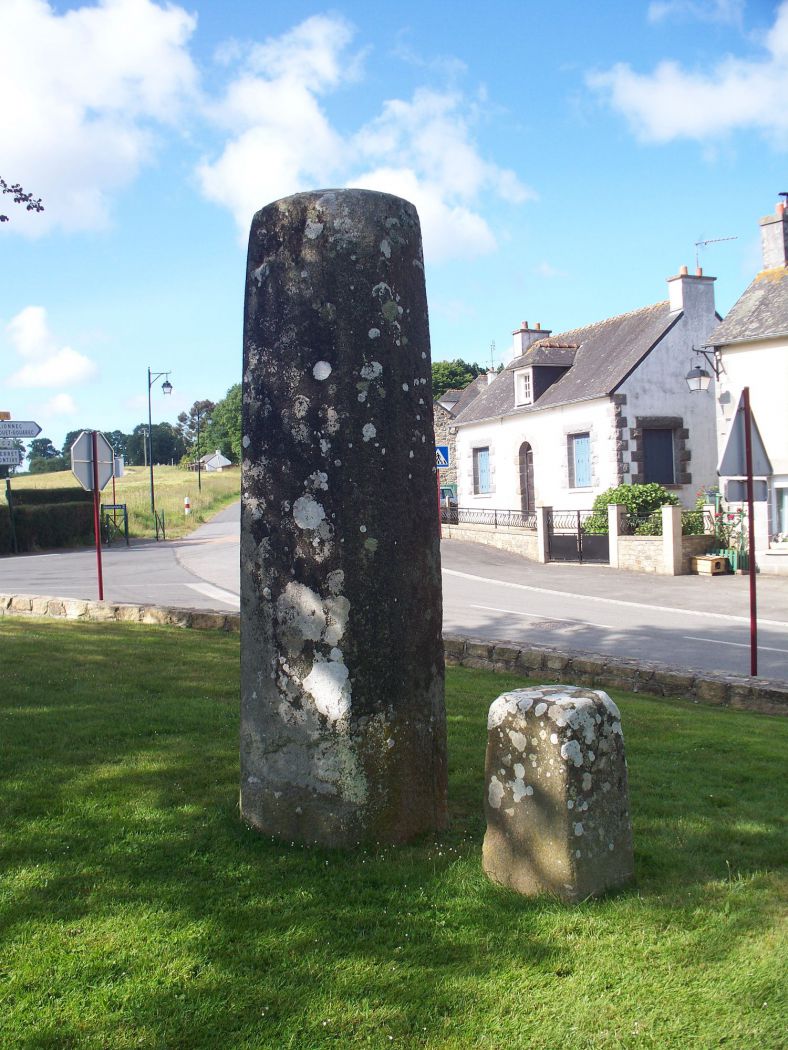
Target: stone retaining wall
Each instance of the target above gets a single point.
(534, 661)
(98, 612)
(517, 541)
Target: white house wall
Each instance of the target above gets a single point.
(547, 431)
(657, 391)
(763, 366)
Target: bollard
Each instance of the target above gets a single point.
(187, 507)
(557, 799)
(343, 733)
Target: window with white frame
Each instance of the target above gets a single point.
(481, 471)
(523, 387)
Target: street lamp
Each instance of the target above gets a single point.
(199, 463)
(166, 389)
(699, 378)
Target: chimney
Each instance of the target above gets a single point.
(692, 293)
(525, 337)
(774, 238)
(491, 376)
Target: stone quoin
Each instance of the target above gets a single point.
(343, 735)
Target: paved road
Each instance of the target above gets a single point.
(684, 622)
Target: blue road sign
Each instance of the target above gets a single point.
(441, 455)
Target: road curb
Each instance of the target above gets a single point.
(739, 692)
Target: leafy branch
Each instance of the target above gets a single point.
(20, 196)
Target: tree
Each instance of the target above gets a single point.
(20, 196)
(225, 429)
(118, 440)
(197, 419)
(48, 464)
(42, 448)
(448, 375)
(168, 445)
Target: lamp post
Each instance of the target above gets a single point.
(166, 388)
(199, 460)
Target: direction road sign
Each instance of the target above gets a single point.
(82, 460)
(8, 442)
(11, 457)
(441, 455)
(19, 428)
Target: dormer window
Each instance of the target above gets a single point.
(523, 387)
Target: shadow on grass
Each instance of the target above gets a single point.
(164, 920)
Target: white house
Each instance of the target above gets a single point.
(751, 345)
(576, 413)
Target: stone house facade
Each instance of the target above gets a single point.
(446, 408)
(582, 411)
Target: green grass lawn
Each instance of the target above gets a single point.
(136, 910)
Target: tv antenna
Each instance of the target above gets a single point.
(702, 244)
(492, 356)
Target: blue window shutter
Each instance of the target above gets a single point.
(484, 469)
(582, 450)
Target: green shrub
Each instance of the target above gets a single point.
(34, 497)
(46, 526)
(640, 500)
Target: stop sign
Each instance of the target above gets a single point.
(82, 460)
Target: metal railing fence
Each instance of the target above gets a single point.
(512, 519)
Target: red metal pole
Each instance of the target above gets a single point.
(440, 525)
(750, 531)
(96, 522)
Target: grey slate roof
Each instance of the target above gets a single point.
(605, 354)
(463, 397)
(760, 313)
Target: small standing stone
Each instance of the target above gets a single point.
(557, 798)
(343, 734)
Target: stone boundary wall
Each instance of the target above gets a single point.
(739, 692)
(100, 612)
(517, 541)
(694, 547)
(646, 553)
(640, 553)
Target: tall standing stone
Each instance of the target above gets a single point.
(343, 734)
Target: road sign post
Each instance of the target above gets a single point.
(10, 500)
(745, 454)
(93, 463)
(750, 531)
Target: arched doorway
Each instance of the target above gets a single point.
(526, 478)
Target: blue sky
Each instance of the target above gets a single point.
(564, 158)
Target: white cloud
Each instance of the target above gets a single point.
(449, 231)
(60, 405)
(281, 141)
(726, 12)
(47, 364)
(736, 94)
(81, 94)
